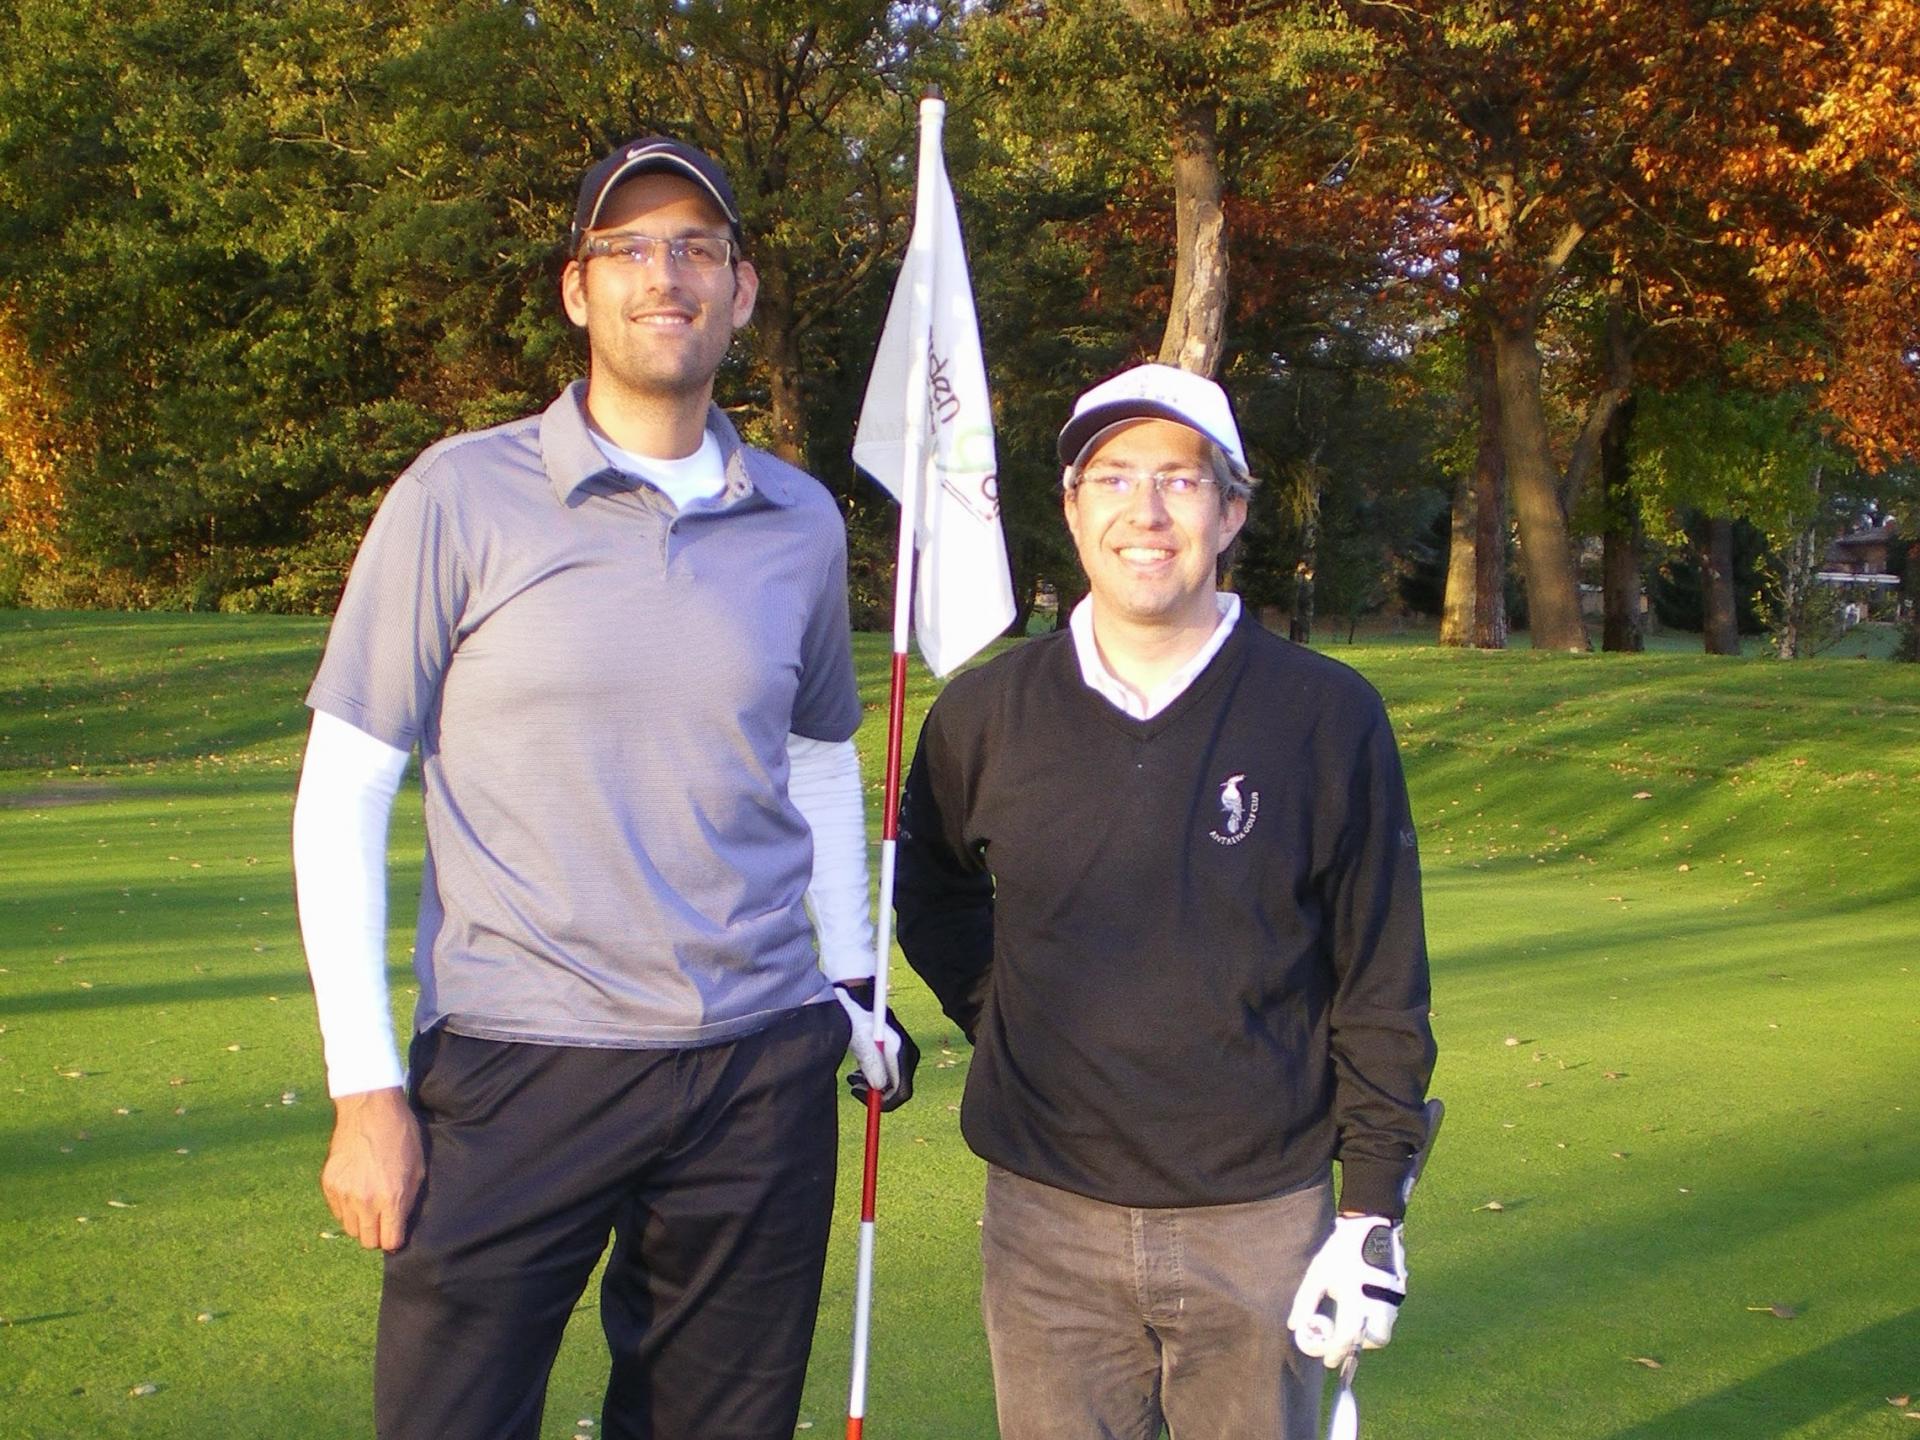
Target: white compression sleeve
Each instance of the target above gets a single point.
(347, 784)
(824, 783)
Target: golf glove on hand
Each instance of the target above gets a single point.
(891, 1071)
(1362, 1269)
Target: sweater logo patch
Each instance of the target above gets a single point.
(1239, 809)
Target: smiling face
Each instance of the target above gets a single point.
(656, 330)
(1150, 562)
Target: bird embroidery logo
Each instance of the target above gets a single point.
(1231, 802)
(1239, 808)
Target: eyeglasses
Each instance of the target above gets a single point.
(704, 253)
(1173, 486)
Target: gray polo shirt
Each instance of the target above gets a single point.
(601, 688)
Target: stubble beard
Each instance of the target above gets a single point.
(644, 372)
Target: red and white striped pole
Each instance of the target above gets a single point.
(933, 112)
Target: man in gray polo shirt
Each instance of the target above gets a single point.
(618, 638)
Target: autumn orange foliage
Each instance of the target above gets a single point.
(36, 447)
(1862, 170)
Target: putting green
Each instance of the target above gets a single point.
(1674, 925)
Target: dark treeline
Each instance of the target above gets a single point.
(1510, 297)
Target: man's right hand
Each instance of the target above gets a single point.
(375, 1167)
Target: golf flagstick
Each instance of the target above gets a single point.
(1345, 1421)
(926, 435)
(915, 439)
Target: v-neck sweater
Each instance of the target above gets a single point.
(1189, 950)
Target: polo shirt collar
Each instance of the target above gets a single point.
(572, 459)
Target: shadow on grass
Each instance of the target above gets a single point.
(1793, 1393)
(228, 1128)
(1777, 939)
(15, 1322)
(194, 989)
(1600, 1272)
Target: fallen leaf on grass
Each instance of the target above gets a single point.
(1646, 1360)
(1643, 794)
(120, 1204)
(1777, 1310)
(1494, 1205)
(145, 1387)
(1613, 1074)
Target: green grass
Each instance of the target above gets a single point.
(1674, 924)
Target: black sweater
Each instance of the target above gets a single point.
(1189, 950)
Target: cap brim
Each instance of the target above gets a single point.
(647, 164)
(1086, 427)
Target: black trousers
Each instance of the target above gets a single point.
(711, 1169)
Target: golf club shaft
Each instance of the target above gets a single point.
(1345, 1421)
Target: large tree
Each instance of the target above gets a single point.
(315, 236)
(1545, 129)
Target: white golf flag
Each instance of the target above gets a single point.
(963, 594)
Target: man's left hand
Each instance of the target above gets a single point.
(889, 1068)
(1362, 1269)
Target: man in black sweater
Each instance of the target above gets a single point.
(1160, 869)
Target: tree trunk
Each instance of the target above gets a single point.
(1722, 627)
(1460, 608)
(1457, 607)
(1300, 622)
(1026, 589)
(778, 349)
(1789, 634)
(1553, 585)
(1197, 321)
(1623, 628)
(1490, 545)
(1791, 640)
(1489, 507)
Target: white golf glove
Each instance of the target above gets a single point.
(889, 1071)
(1362, 1270)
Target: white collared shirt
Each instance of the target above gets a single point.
(1094, 670)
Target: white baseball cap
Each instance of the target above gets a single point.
(1153, 392)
